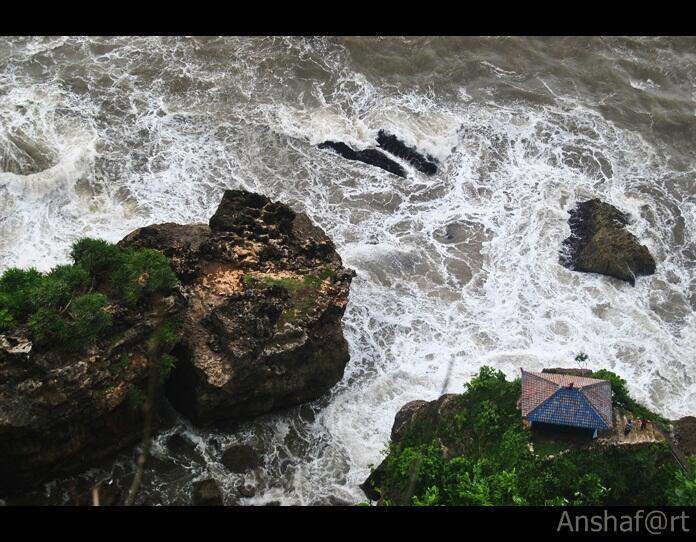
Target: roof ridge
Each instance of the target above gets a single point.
(544, 401)
(602, 382)
(551, 377)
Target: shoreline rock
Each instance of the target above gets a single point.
(259, 306)
(58, 414)
(600, 243)
(266, 292)
(456, 433)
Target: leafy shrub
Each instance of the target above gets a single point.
(60, 284)
(6, 320)
(18, 289)
(683, 490)
(49, 328)
(89, 318)
(140, 272)
(167, 364)
(65, 308)
(96, 256)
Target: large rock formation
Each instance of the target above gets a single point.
(600, 243)
(259, 313)
(60, 413)
(266, 291)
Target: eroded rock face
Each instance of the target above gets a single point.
(600, 243)
(422, 417)
(266, 291)
(60, 413)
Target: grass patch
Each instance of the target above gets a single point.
(303, 291)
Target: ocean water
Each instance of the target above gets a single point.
(99, 136)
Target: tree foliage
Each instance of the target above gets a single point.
(67, 308)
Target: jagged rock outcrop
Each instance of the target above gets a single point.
(600, 243)
(266, 291)
(393, 145)
(372, 157)
(450, 451)
(256, 321)
(60, 413)
(424, 417)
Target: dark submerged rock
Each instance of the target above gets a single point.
(600, 243)
(240, 458)
(372, 157)
(246, 490)
(207, 493)
(393, 145)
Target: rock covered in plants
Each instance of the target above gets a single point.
(473, 449)
(266, 291)
(600, 243)
(73, 358)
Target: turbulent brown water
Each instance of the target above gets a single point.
(99, 136)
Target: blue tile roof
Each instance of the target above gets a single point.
(568, 406)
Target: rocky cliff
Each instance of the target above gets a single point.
(266, 291)
(257, 314)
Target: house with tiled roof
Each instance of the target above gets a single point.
(566, 400)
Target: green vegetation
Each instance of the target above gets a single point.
(167, 364)
(136, 397)
(683, 493)
(303, 291)
(477, 452)
(120, 365)
(291, 284)
(67, 308)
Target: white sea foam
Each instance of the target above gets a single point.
(455, 271)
